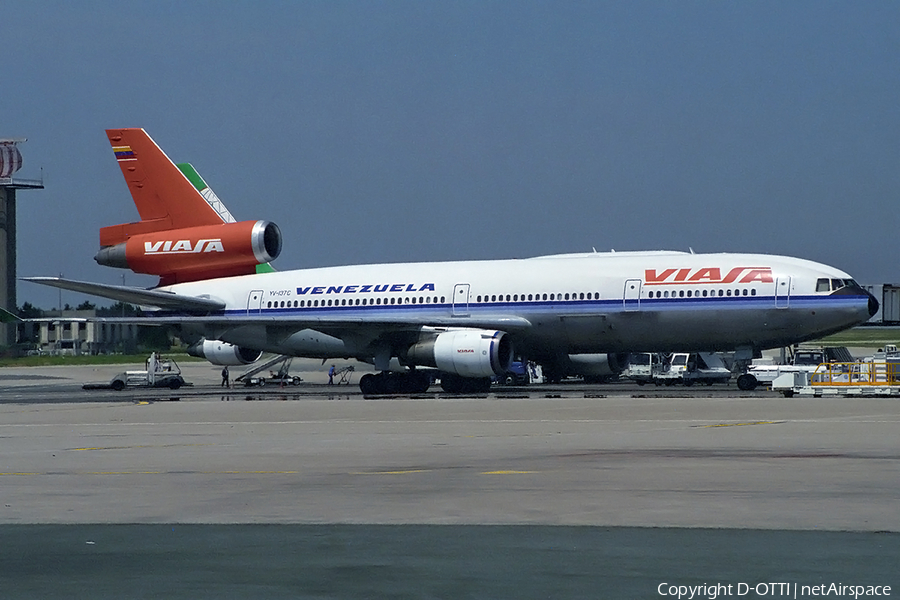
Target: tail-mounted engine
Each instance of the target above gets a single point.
(464, 352)
(196, 253)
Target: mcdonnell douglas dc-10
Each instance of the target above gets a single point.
(571, 313)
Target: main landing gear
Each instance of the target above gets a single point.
(386, 382)
(417, 382)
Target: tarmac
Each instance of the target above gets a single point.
(626, 466)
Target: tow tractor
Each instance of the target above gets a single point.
(280, 377)
(159, 372)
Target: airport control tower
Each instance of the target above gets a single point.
(10, 163)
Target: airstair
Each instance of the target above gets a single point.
(279, 377)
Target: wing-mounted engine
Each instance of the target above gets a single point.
(464, 352)
(192, 253)
(222, 353)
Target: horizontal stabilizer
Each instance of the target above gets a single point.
(159, 299)
(8, 317)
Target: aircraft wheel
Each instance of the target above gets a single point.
(747, 382)
(452, 384)
(418, 382)
(368, 384)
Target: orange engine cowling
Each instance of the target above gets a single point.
(195, 253)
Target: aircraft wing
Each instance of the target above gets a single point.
(164, 300)
(327, 324)
(178, 303)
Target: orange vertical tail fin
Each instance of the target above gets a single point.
(164, 197)
(185, 232)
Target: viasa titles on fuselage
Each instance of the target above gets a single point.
(572, 313)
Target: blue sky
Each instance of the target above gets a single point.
(407, 131)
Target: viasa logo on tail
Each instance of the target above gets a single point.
(708, 275)
(183, 246)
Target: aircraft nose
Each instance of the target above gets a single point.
(873, 305)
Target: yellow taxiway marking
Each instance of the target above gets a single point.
(508, 472)
(743, 424)
(407, 472)
(135, 447)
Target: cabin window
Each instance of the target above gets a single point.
(727, 292)
(681, 293)
(753, 292)
(689, 293)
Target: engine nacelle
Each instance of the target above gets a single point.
(464, 352)
(598, 365)
(195, 253)
(222, 353)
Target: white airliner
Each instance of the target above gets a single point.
(571, 313)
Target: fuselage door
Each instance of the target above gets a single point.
(782, 292)
(254, 301)
(460, 300)
(632, 296)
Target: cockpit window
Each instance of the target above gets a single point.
(837, 284)
(823, 285)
